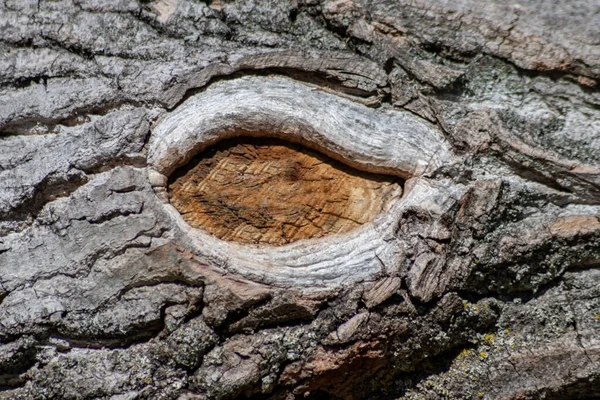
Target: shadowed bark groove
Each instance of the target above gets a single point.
(479, 279)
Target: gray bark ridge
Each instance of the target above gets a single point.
(483, 281)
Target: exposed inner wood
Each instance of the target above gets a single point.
(274, 192)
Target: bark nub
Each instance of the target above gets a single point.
(272, 192)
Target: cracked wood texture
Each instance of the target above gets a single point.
(490, 284)
(273, 192)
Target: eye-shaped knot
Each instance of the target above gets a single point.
(256, 162)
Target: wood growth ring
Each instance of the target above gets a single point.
(269, 191)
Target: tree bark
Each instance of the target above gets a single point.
(478, 279)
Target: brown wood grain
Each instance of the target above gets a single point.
(274, 192)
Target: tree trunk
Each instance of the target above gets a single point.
(299, 199)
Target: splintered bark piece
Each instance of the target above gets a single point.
(274, 192)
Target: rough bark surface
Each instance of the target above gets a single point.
(482, 281)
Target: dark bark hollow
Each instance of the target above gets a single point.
(270, 191)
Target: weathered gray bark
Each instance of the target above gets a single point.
(485, 285)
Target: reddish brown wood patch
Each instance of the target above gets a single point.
(275, 192)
